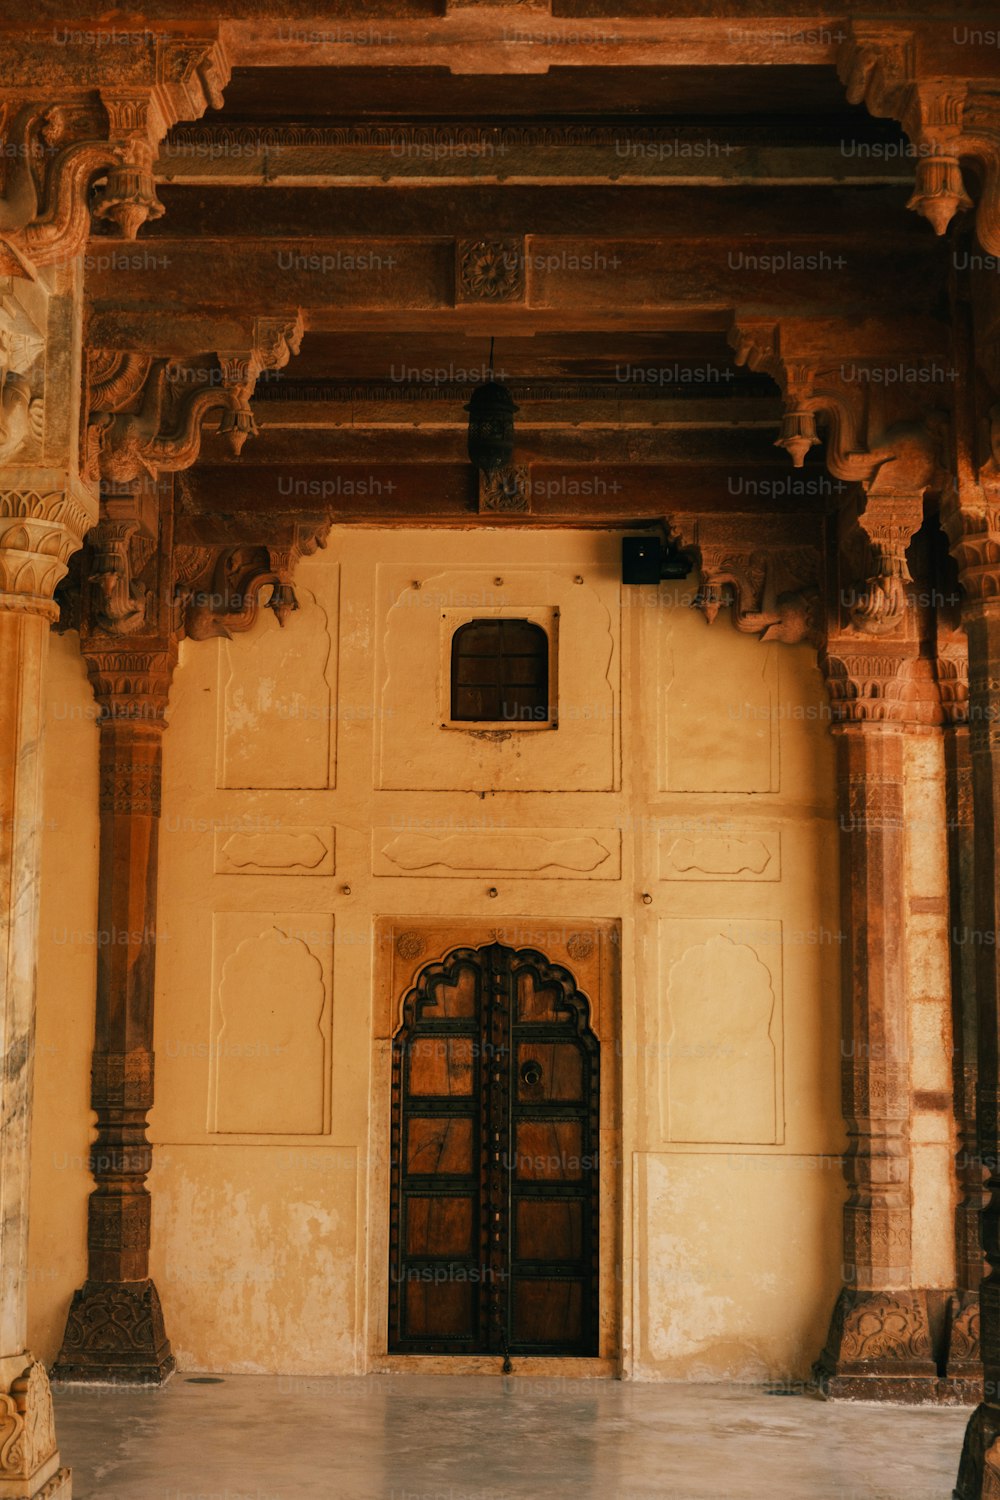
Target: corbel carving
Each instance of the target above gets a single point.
(58, 150)
(892, 515)
(120, 553)
(55, 153)
(774, 591)
(946, 117)
(146, 415)
(812, 385)
(219, 588)
(161, 430)
(767, 568)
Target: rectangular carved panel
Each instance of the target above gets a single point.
(553, 853)
(748, 855)
(278, 851)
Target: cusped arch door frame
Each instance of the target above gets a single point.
(579, 962)
(494, 1240)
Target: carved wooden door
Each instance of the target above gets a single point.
(495, 1144)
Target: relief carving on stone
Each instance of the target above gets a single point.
(27, 1425)
(490, 270)
(773, 587)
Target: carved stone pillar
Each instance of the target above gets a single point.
(979, 1475)
(42, 521)
(964, 1368)
(879, 1344)
(963, 1343)
(115, 1330)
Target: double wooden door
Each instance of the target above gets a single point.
(494, 1221)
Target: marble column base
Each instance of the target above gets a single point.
(879, 1348)
(115, 1333)
(30, 1468)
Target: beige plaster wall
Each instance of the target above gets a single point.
(311, 790)
(67, 969)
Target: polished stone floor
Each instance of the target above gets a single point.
(417, 1437)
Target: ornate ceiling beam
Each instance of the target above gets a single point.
(417, 154)
(158, 301)
(437, 494)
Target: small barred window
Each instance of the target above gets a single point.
(500, 672)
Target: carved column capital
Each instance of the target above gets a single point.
(970, 517)
(43, 519)
(889, 684)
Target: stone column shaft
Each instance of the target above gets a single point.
(979, 1474)
(40, 526)
(115, 1330)
(879, 1344)
(963, 1341)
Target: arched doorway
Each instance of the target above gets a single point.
(494, 1214)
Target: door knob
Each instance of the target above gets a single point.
(531, 1073)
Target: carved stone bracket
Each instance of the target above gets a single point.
(58, 149)
(947, 115)
(877, 536)
(877, 435)
(809, 387)
(146, 415)
(162, 431)
(772, 585)
(219, 588)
